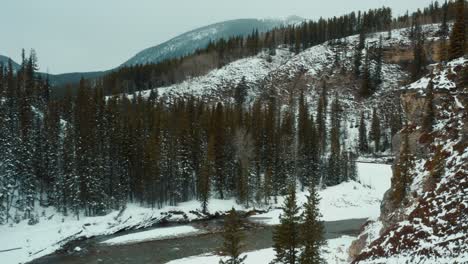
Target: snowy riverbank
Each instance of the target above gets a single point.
(334, 252)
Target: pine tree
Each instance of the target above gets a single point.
(312, 231)
(419, 53)
(377, 78)
(233, 236)
(240, 93)
(358, 52)
(207, 171)
(429, 114)
(151, 164)
(322, 119)
(366, 83)
(220, 150)
(401, 174)
(352, 168)
(334, 166)
(8, 167)
(363, 145)
(458, 36)
(267, 185)
(444, 33)
(71, 185)
(286, 237)
(244, 149)
(304, 146)
(375, 133)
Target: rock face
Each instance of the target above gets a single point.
(432, 225)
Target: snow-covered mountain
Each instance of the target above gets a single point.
(199, 38)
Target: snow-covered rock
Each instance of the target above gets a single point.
(432, 226)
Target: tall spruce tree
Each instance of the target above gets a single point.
(402, 172)
(312, 235)
(429, 114)
(358, 52)
(321, 119)
(233, 236)
(444, 33)
(377, 76)
(375, 132)
(334, 164)
(366, 81)
(363, 144)
(419, 53)
(286, 238)
(458, 37)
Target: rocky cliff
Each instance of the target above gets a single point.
(430, 223)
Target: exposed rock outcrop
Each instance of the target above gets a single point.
(431, 225)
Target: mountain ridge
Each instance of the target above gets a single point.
(178, 46)
(184, 44)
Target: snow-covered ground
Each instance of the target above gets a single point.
(154, 234)
(348, 200)
(253, 69)
(334, 252)
(376, 176)
(53, 230)
(344, 201)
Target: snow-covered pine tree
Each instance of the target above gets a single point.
(375, 132)
(286, 237)
(312, 231)
(363, 145)
(334, 164)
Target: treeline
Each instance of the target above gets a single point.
(296, 37)
(88, 154)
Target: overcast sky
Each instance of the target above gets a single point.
(89, 35)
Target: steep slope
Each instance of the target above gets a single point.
(430, 225)
(199, 38)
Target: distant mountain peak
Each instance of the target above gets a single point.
(4, 62)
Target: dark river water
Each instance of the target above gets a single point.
(162, 251)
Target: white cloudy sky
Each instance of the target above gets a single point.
(88, 35)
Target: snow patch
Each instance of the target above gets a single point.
(155, 234)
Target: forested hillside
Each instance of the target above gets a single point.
(88, 154)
